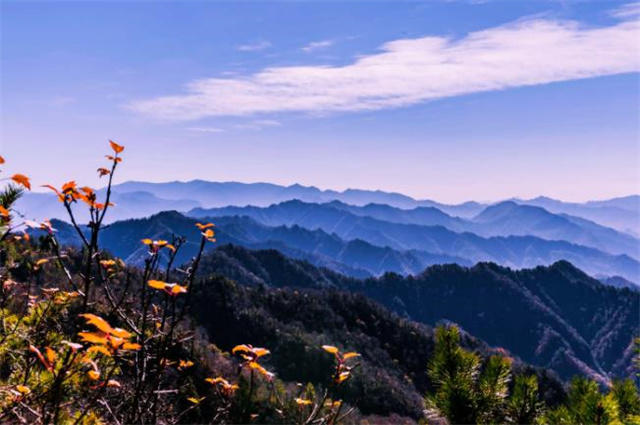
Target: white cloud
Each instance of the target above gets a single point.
(260, 45)
(258, 125)
(205, 129)
(410, 71)
(316, 45)
(629, 10)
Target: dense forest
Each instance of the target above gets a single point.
(105, 327)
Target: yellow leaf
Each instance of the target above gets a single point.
(183, 364)
(98, 322)
(330, 349)
(107, 263)
(147, 241)
(93, 375)
(195, 400)
(259, 352)
(343, 376)
(131, 346)
(303, 401)
(347, 356)
(260, 369)
(121, 333)
(241, 349)
(157, 284)
(92, 337)
(23, 389)
(99, 349)
(41, 261)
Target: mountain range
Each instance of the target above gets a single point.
(555, 317)
(622, 214)
(354, 245)
(512, 251)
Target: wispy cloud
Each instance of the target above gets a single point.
(629, 10)
(410, 71)
(251, 47)
(258, 125)
(316, 45)
(205, 129)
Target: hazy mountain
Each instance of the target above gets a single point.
(619, 213)
(508, 218)
(354, 258)
(40, 206)
(619, 282)
(556, 316)
(513, 251)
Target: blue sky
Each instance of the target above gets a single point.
(448, 100)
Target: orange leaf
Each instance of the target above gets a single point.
(21, 179)
(241, 349)
(260, 369)
(93, 375)
(347, 356)
(116, 147)
(121, 333)
(103, 172)
(51, 355)
(157, 284)
(4, 212)
(1, 160)
(131, 346)
(177, 289)
(99, 349)
(259, 352)
(98, 322)
(204, 226)
(183, 364)
(92, 337)
(69, 186)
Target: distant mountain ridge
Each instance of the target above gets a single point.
(513, 251)
(622, 214)
(505, 219)
(354, 258)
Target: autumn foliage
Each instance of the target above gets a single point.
(85, 339)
